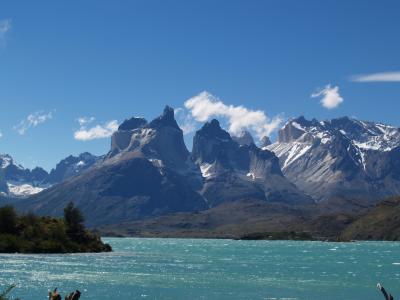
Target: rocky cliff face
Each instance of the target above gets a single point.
(71, 166)
(340, 158)
(235, 172)
(244, 138)
(148, 172)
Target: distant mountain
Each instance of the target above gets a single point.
(17, 181)
(237, 172)
(70, 166)
(340, 158)
(345, 165)
(149, 172)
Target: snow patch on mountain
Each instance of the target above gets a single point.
(23, 189)
(207, 170)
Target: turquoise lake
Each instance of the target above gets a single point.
(211, 269)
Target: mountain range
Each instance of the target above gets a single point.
(17, 181)
(340, 158)
(314, 168)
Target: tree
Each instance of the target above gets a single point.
(8, 220)
(74, 220)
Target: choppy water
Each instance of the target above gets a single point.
(211, 269)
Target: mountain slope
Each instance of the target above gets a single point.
(380, 223)
(340, 158)
(235, 172)
(148, 172)
(71, 166)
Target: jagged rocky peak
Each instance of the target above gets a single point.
(164, 141)
(132, 123)
(213, 129)
(39, 174)
(17, 181)
(160, 141)
(244, 138)
(265, 142)
(292, 130)
(6, 160)
(121, 139)
(167, 119)
(342, 157)
(367, 135)
(71, 166)
(210, 141)
(364, 135)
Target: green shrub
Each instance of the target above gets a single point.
(32, 234)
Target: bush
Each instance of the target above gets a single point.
(32, 234)
(8, 220)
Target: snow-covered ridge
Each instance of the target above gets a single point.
(17, 181)
(299, 136)
(6, 161)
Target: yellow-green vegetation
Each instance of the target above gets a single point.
(33, 234)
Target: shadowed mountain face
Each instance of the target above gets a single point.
(71, 166)
(236, 172)
(149, 172)
(340, 158)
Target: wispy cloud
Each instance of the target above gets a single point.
(5, 26)
(1, 134)
(330, 96)
(205, 106)
(33, 120)
(85, 120)
(185, 121)
(377, 77)
(96, 132)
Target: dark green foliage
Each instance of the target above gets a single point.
(8, 220)
(32, 234)
(74, 223)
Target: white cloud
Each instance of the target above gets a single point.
(330, 96)
(205, 106)
(85, 120)
(1, 134)
(377, 77)
(5, 26)
(33, 120)
(185, 121)
(96, 132)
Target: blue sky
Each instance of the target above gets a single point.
(110, 60)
